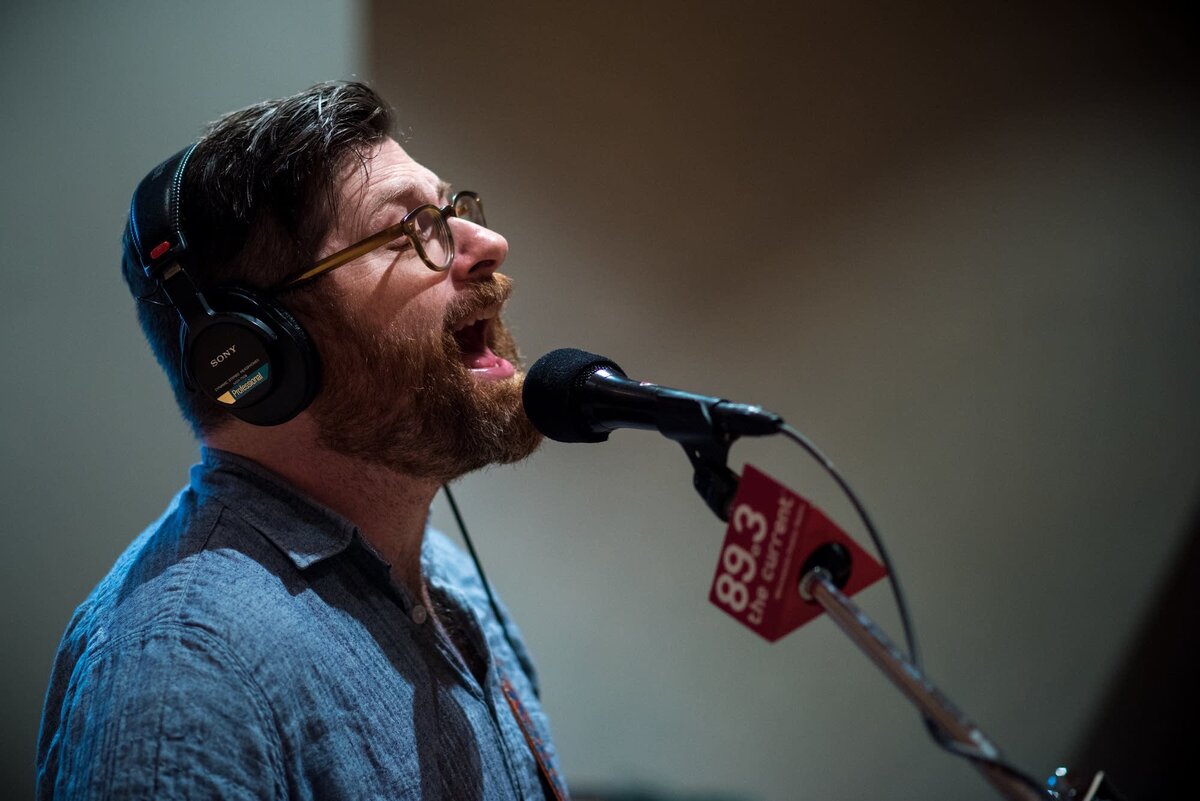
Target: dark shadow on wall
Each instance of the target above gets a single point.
(1144, 734)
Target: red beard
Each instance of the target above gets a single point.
(412, 405)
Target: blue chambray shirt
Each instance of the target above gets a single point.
(251, 645)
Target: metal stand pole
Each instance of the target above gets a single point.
(816, 586)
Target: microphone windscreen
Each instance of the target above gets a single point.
(551, 391)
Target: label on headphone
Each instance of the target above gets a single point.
(257, 378)
(231, 364)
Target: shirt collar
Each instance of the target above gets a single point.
(303, 529)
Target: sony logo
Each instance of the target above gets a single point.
(223, 356)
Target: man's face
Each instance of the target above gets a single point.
(419, 373)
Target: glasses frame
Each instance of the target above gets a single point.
(393, 232)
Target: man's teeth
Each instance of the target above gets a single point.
(485, 314)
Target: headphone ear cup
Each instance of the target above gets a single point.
(285, 371)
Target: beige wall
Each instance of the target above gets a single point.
(959, 250)
(91, 446)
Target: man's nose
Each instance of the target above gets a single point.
(478, 251)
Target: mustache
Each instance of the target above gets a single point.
(477, 296)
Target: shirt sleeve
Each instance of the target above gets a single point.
(171, 714)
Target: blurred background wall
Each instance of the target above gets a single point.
(957, 247)
(93, 96)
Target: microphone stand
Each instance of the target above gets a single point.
(817, 586)
(826, 570)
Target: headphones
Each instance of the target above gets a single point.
(239, 347)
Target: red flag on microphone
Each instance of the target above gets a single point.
(772, 532)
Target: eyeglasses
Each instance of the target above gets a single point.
(426, 227)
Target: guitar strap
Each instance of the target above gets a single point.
(552, 781)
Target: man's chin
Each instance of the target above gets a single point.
(489, 428)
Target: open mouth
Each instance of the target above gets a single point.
(472, 334)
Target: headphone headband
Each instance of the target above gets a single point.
(155, 217)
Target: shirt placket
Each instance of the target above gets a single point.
(500, 713)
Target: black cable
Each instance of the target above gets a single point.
(939, 737)
(910, 638)
(487, 585)
(975, 755)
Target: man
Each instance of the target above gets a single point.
(289, 628)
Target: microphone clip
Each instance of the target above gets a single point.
(712, 478)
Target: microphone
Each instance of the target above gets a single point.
(574, 396)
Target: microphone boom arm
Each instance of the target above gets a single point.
(817, 586)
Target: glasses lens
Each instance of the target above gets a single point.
(432, 236)
(468, 206)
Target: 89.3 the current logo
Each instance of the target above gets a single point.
(739, 564)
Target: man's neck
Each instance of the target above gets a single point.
(389, 508)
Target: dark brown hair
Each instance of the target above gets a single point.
(258, 199)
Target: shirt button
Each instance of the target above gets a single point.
(419, 614)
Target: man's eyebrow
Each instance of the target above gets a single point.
(403, 196)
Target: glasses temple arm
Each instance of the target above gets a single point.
(342, 256)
